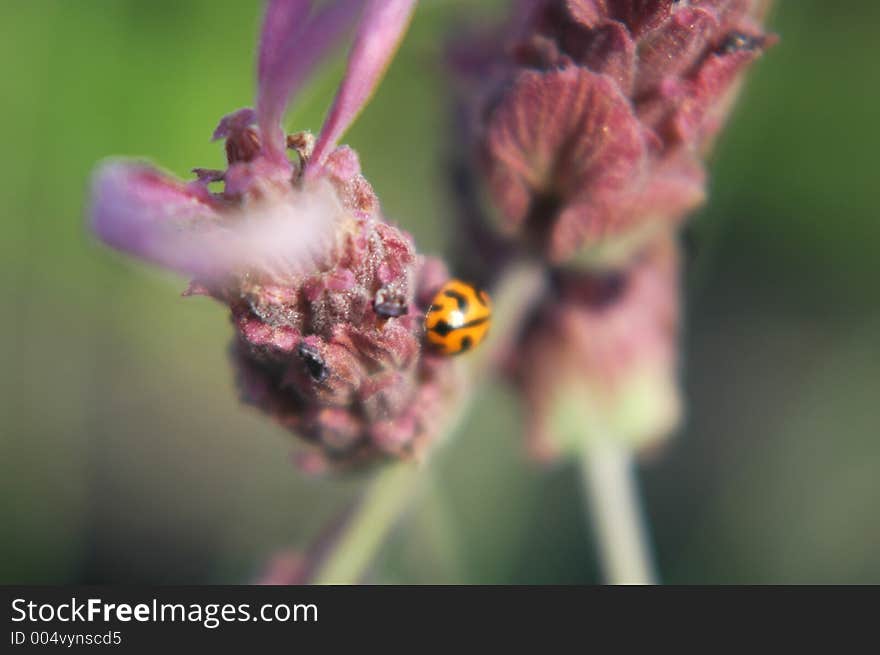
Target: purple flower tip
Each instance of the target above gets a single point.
(593, 115)
(234, 123)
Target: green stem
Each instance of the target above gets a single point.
(612, 495)
(393, 488)
(386, 498)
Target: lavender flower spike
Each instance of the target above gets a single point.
(307, 264)
(589, 122)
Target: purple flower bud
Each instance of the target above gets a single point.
(592, 116)
(326, 297)
(598, 358)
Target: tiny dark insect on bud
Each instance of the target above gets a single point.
(314, 362)
(389, 304)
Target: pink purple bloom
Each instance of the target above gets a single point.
(326, 296)
(592, 116)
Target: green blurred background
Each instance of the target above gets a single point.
(125, 456)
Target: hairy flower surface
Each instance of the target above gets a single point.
(594, 116)
(325, 295)
(598, 358)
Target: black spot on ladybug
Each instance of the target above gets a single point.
(314, 362)
(442, 328)
(475, 322)
(466, 343)
(740, 42)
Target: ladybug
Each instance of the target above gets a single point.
(458, 318)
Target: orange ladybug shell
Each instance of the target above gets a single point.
(458, 319)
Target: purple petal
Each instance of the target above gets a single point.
(289, 55)
(641, 16)
(674, 188)
(612, 51)
(146, 213)
(135, 208)
(284, 20)
(557, 136)
(707, 104)
(382, 27)
(673, 48)
(234, 122)
(587, 12)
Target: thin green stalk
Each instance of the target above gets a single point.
(436, 538)
(384, 500)
(611, 490)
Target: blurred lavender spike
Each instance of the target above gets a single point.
(590, 120)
